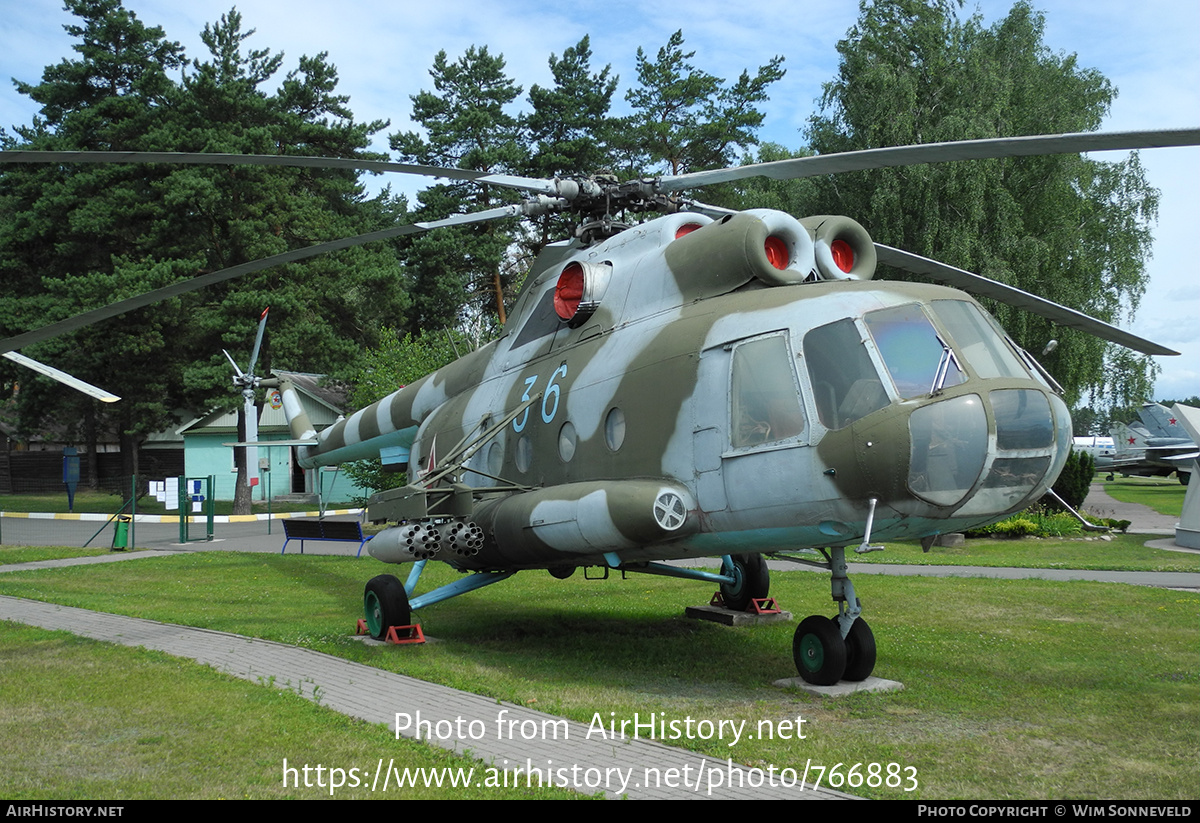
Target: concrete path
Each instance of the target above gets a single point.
(504, 735)
(1163, 580)
(1145, 519)
(80, 561)
(258, 536)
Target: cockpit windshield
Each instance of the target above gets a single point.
(917, 358)
(978, 340)
(921, 359)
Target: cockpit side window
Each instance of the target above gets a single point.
(846, 386)
(764, 397)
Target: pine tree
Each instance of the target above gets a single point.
(686, 119)
(466, 125)
(100, 233)
(569, 129)
(77, 238)
(322, 309)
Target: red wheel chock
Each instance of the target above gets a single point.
(399, 635)
(717, 600)
(396, 635)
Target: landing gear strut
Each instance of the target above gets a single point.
(387, 602)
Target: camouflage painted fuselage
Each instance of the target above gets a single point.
(716, 404)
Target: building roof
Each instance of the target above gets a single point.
(324, 404)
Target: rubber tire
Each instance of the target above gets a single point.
(385, 604)
(819, 651)
(753, 581)
(860, 650)
(561, 572)
(1183, 477)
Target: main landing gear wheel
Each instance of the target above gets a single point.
(752, 581)
(819, 651)
(385, 604)
(860, 650)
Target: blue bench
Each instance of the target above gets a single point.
(340, 531)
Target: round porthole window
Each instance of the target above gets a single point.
(524, 454)
(495, 458)
(614, 428)
(567, 440)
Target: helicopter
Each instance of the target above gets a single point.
(706, 383)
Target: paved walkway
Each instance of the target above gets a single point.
(1145, 519)
(81, 561)
(1162, 580)
(506, 735)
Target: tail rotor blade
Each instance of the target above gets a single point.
(236, 371)
(262, 326)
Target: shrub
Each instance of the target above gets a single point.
(1073, 484)
(1034, 521)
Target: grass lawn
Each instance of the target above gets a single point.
(1163, 495)
(83, 720)
(1013, 689)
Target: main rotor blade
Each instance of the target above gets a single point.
(894, 156)
(980, 285)
(63, 377)
(204, 159)
(87, 318)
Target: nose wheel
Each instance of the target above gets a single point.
(842, 648)
(819, 651)
(823, 656)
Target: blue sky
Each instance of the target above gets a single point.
(383, 51)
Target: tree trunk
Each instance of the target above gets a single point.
(499, 286)
(93, 459)
(241, 492)
(129, 459)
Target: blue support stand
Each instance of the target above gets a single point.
(463, 585)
